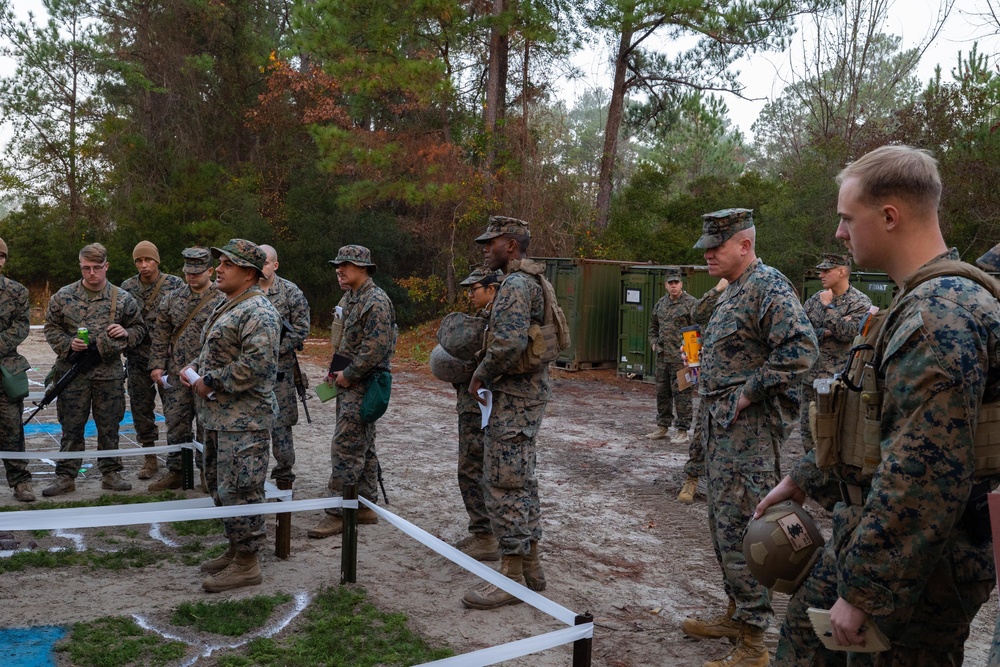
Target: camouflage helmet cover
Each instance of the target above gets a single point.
(449, 369)
(461, 335)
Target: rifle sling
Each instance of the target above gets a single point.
(229, 305)
(194, 312)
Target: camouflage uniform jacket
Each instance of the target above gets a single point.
(701, 310)
(142, 292)
(665, 324)
(833, 348)
(758, 343)
(369, 337)
(292, 306)
(517, 304)
(14, 324)
(174, 311)
(74, 306)
(466, 403)
(941, 359)
(239, 350)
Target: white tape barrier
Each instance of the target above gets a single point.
(537, 601)
(99, 454)
(148, 513)
(516, 649)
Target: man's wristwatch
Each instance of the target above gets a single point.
(209, 381)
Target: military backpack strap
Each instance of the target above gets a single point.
(151, 299)
(227, 307)
(194, 312)
(114, 303)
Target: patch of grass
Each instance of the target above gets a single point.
(231, 618)
(130, 557)
(117, 641)
(341, 629)
(198, 527)
(102, 501)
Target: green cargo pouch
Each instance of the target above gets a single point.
(15, 385)
(826, 415)
(376, 399)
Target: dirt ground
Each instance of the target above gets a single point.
(617, 544)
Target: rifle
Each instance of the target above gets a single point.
(297, 378)
(82, 361)
(378, 473)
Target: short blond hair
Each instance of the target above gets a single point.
(94, 252)
(897, 171)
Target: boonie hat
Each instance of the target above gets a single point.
(719, 226)
(832, 260)
(990, 261)
(196, 259)
(358, 255)
(242, 253)
(500, 225)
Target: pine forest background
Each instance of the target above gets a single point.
(402, 124)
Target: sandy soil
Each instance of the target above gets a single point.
(616, 544)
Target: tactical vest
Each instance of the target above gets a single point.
(848, 428)
(546, 340)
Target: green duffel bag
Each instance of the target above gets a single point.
(376, 399)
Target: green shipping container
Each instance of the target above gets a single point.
(877, 286)
(642, 285)
(587, 291)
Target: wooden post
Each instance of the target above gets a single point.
(283, 532)
(187, 467)
(582, 648)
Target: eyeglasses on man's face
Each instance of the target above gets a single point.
(93, 268)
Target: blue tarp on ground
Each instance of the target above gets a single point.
(35, 428)
(30, 647)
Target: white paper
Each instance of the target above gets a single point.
(488, 408)
(163, 381)
(192, 377)
(339, 311)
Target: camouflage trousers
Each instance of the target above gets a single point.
(179, 413)
(352, 451)
(283, 449)
(470, 470)
(509, 458)
(12, 439)
(235, 470)
(669, 399)
(928, 634)
(142, 401)
(808, 395)
(695, 465)
(741, 465)
(106, 400)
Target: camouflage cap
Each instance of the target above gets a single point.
(196, 259)
(500, 225)
(991, 260)
(717, 227)
(358, 255)
(478, 275)
(672, 274)
(242, 253)
(832, 260)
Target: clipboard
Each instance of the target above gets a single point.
(339, 363)
(325, 391)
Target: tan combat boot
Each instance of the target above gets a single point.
(221, 563)
(63, 484)
(244, 570)
(488, 596)
(659, 434)
(481, 546)
(686, 495)
(113, 481)
(24, 493)
(713, 628)
(748, 652)
(328, 526)
(367, 515)
(149, 466)
(534, 578)
(681, 438)
(172, 480)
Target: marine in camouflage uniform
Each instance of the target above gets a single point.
(88, 303)
(670, 315)
(176, 341)
(293, 308)
(481, 544)
(14, 326)
(148, 288)
(835, 325)
(239, 362)
(368, 339)
(519, 400)
(911, 548)
(756, 348)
